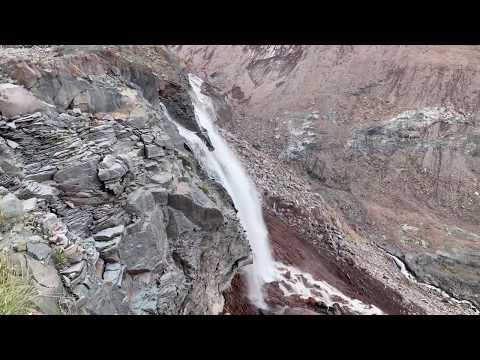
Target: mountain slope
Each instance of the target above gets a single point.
(387, 135)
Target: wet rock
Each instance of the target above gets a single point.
(178, 104)
(456, 274)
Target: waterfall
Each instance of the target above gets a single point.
(223, 165)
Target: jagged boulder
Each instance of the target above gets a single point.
(196, 206)
(78, 177)
(145, 243)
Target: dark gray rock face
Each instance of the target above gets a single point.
(38, 251)
(205, 217)
(115, 190)
(145, 244)
(457, 274)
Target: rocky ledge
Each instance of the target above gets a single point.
(99, 198)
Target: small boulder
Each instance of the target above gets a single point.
(111, 168)
(39, 251)
(109, 234)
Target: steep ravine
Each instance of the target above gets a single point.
(265, 273)
(128, 188)
(385, 135)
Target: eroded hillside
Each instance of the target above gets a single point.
(387, 135)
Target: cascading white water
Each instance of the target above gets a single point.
(224, 166)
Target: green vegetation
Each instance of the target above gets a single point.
(66, 305)
(3, 222)
(7, 224)
(16, 290)
(59, 258)
(204, 188)
(186, 162)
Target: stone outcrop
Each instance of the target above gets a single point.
(122, 226)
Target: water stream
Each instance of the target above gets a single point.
(405, 272)
(223, 165)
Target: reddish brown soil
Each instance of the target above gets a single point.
(236, 302)
(429, 183)
(290, 249)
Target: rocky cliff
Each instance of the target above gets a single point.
(387, 136)
(99, 198)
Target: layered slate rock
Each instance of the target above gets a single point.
(113, 192)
